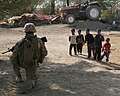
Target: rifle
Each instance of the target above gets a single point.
(9, 50)
(44, 39)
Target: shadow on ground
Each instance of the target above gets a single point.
(78, 79)
(57, 79)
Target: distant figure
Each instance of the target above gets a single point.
(72, 40)
(106, 49)
(80, 42)
(90, 42)
(98, 45)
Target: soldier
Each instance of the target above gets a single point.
(27, 53)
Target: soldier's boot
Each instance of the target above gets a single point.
(27, 86)
(33, 81)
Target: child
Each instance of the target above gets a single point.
(106, 50)
(80, 42)
(99, 38)
(89, 39)
(72, 40)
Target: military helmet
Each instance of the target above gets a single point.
(29, 27)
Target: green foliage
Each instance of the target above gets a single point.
(47, 8)
(108, 15)
(105, 0)
(46, 11)
(16, 7)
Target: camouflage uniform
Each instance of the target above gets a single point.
(29, 63)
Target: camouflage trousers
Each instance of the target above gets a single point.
(30, 70)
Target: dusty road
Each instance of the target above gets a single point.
(61, 74)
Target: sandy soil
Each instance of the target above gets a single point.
(61, 74)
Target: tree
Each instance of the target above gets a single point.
(68, 2)
(52, 7)
(16, 7)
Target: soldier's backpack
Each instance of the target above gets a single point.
(42, 51)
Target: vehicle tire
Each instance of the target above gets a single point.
(70, 19)
(93, 12)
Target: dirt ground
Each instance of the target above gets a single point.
(61, 74)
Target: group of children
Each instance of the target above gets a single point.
(76, 42)
(94, 44)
